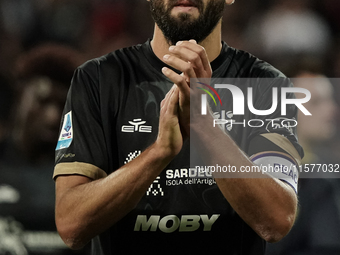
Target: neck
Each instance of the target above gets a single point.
(212, 43)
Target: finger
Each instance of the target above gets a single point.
(198, 49)
(187, 79)
(173, 102)
(179, 80)
(167, 96)
(187, 55)
(180, 64)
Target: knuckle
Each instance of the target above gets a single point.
(178, 48)
(170, 58)
(202, 53)
(187, 67)
(194, 58)
(181, 79)
(201, 50)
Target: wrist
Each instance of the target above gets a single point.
(202, 124)
(163, 151)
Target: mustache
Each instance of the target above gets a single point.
(196, 3)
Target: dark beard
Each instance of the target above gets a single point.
(184, 27)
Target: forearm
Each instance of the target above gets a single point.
(266, 204)
(88, 209)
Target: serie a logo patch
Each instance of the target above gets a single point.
(66, 133)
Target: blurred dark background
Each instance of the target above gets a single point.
(275, 30)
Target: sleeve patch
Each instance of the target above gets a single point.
(66, 133)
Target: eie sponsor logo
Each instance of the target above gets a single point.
(136, 125)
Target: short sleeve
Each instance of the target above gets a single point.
(274, 146)
(81, 147)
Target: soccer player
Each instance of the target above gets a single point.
(123, 176)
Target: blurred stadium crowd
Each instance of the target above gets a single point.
(268, 29)
(300, 37)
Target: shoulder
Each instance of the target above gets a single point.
(109, 67)
(113, 59)
(252, 67)
(102, 75)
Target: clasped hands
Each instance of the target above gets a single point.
(192, 61)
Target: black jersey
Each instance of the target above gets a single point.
(111, 116)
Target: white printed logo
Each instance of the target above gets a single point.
(131, 156)
(136, 126)
(155, 188)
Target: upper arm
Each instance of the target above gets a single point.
(64, 183)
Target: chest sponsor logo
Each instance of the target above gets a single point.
(172, 223)
(188, 176)
(182, 176)
(136, 125)
(66, 133)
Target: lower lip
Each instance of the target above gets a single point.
(183, 8)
